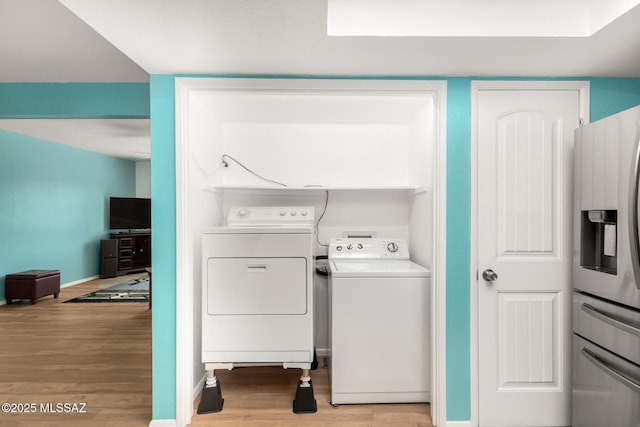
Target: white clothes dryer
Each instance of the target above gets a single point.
(379, 323)
(257, 293)
(257, 297)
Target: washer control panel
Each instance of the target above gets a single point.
(269, 216)
(365, 248)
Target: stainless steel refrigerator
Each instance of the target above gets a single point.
(606, 273)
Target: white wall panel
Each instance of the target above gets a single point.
(143, 179)
(331, 155)
(528, 328)
(528, 167)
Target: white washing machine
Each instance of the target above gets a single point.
(379, 323)
(257, 293)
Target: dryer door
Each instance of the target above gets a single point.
(259, 286)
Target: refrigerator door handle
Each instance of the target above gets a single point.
(606, 317)
(614, 373)
(633, 210)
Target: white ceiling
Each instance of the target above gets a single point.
(124, 138)
(42, 41)
(290, 37)
(126, 40)
(477, 18)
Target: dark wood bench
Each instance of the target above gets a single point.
(32, 284)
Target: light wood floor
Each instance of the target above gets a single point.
(264, 397)
(93, 353)
(100, 354)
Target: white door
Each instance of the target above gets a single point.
(523, 234)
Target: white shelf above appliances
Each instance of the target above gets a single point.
(273, 188)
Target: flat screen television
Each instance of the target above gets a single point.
(129, 213)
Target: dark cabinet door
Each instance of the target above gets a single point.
(142, 251)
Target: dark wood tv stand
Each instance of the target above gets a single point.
(134, 251)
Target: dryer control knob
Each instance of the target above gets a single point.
(282, 213)
(303, 213)
(293, 213)
(392, 247)
(243, 213)
(338, 248)
(349, 246)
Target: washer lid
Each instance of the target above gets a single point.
(373, 268)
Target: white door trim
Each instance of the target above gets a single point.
(184, 261)
(439, 279)
(184, 251)
(476, 87)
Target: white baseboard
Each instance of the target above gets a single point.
(76, 282)
(163, 423)
(199, 386)
(458, 423)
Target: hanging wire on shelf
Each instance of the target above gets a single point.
(225, 164)
(326, 203)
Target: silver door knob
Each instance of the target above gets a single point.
(489, 275)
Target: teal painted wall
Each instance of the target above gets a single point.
(610, 96)
(607, 97)
(458, 228)
(53, 206)
(163, 246)
(67, 100)
(53, 209)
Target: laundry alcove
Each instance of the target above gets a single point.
(364, 153)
